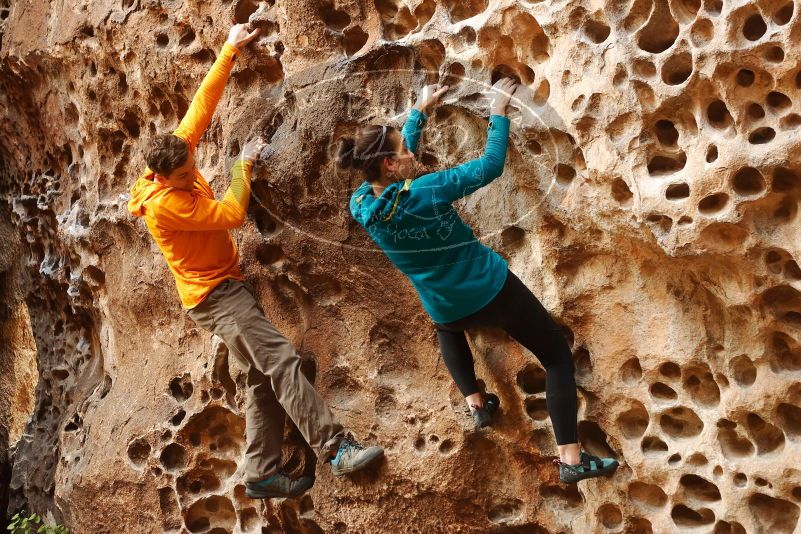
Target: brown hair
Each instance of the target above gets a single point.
(167, 152)
(367, 150)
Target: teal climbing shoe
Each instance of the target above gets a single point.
(589, 466)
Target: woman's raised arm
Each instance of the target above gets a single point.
(452, 184)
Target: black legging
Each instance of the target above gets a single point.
(517, 310)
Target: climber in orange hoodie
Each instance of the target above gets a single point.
(192, 228)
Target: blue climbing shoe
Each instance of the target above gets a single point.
(483, 416)
(351, 456)
(589, 466)
(278, 486)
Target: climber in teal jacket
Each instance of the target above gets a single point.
(462, 283)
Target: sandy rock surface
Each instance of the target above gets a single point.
(650, 200)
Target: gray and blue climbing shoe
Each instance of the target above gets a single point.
(483, 416)
(278, 486)
(351, 456)
(589, 466)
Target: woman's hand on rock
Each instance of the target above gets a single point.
(429, 97)
(501, 94)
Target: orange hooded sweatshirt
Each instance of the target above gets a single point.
(191, 228)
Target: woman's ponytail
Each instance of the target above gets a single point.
(344, 155)
(367, 149)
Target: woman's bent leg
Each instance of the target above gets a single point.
(528, 322)
(458, 359)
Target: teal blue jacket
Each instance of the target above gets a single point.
(415, 224)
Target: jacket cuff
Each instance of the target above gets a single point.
(417, 116)
(242, 163)
(499, 122)
(229, 51)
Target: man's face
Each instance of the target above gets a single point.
(184, 176)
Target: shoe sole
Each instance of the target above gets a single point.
(339, 472)
(592, 474)
(253, 495)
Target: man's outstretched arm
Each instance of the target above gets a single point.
(205, 101)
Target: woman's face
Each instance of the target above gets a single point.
(403, 165)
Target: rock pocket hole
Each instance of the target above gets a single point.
(173, 457)
(513, 236)
(214, 514)
(631, 371)
(767, 437)
(663, 165)
(748, 181)
(699, 488)
(790, 122)
(681, 422)
(269, 254)
(653, 445)
(754, 27)
(686, 10)
(742, 370)
(745, 77)
(763, 135)
(620, 191)
(353, 40)
(778, 101)
(564, 174)
(718, 114)
(334, 18)
(792, 271)
(783, 15)
(713, 204)
(732, 445)
(536, 408)
(464, 9)
(677, 191)
(774, 54)
(178, 417)
(647, 495)
(755, 111)
(686, 517)
(702, 32)
(594, 440)
(666, 132)
(663, 392)
(711, 153)
(138, 451)
(702, 388)
(531, 379)
(789, 418)
(634, 421)
(670, 370)
(677, 69)
(773, 515)
(610, 516)
(597, 32)
(505, 512)
(660, 33)
(187, 38)
(181, 387)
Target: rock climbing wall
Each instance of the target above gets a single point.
(650, 199)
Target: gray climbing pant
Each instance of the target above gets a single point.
(276, 387)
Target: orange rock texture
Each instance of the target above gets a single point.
(650, 199)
